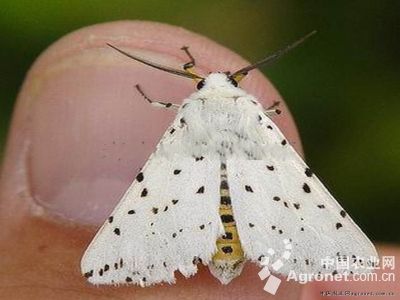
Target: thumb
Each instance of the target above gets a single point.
(81, 132)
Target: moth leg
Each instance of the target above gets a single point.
(272, 111)
(191, 63)
(189, 66)
(167, 105)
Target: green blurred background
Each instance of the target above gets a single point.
(342, 86)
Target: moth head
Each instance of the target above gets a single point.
(217, 79)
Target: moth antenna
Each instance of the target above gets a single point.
(157, 66)
(238, 75)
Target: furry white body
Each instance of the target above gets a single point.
(169, 216)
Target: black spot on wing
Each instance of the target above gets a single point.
(117, 231)
(308, 172)
(200, 190)
(176, 172)
(306, 188)
(249, 189)
(140, 177)
(144, 193)
(88, 274)
(339, 225)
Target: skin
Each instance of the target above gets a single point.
(80, 133)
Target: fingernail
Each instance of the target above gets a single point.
(92, 131)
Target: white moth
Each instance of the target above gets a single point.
(223, 187)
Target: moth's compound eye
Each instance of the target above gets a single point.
(233, 81)
(200, 84)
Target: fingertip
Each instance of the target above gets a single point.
(88, 130)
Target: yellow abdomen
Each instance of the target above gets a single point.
(227, 262)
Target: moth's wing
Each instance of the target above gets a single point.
(278, 198)
(166, 221)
